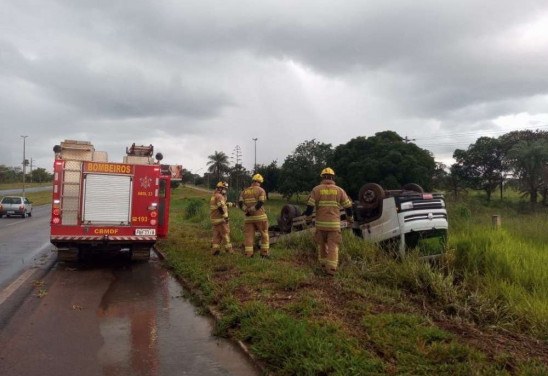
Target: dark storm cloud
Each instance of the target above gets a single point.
(113, 92)
(441, 56)
(231, 68)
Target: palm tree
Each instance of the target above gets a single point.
(218, 164)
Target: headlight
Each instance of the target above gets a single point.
(407, 205)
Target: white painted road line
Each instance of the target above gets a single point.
(6, 293)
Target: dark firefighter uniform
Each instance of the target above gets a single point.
(251, 201)
(327, 198)
(219, 220)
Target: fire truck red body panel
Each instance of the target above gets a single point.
(102, 206)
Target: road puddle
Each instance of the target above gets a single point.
(149, 329)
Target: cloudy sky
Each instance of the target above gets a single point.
(195, 76)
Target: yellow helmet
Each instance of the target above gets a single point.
(257, 177)
(222, 184)
(327, 171)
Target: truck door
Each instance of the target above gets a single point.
(164, 197)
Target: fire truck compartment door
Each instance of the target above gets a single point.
(107, 199)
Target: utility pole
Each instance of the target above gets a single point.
(25, 162)
(31, 160)
(407, 139)
(255, 164)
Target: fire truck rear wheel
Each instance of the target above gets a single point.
(371, 195)
(140, 254)
(68, 254)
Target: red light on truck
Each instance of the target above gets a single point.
(153, 214)
(153, 222)
(56, 211)
(56, 220)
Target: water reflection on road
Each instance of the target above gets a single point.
(149, 329)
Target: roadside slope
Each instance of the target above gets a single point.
(377, 316)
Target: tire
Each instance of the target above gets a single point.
(286, 217)
(413, 187)
(371, 195)
(68, 254)
(140, 254)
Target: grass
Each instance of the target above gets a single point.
(37, 198)
(481, 310)
(5, 186)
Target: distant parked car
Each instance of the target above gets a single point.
(15, 205)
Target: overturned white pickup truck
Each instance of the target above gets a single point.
(398, 220)
(401, 219)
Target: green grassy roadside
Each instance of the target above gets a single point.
(378, 315)
(4, 186)
(37, 198)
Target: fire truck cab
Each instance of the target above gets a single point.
(104, 207)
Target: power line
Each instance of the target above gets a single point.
(478, 133)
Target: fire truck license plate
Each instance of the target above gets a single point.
(145, 231)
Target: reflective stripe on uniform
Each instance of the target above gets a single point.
(256, 218)
(216, 221)
(328, 203)
(329, 224)
(347, 204)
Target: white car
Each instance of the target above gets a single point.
(15, 206)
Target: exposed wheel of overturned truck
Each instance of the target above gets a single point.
(371, 195)
(286, 217)
(413, 187)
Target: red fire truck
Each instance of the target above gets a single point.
(100, 206)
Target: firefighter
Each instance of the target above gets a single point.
(251, 201)
(327, 198)
(219, 220)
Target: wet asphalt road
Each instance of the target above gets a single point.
(103, 318)
(24, 243)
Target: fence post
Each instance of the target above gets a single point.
(496, 221)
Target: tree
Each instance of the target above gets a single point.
(482, 164)
(384, 159)
(509, 142)
(456, 180)
(528, 159)
(440, 178)
(239, 177)
(300, 170)
(40, 175)
(218, 164)
(271, 174)
(10, 174)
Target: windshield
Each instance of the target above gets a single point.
(11, 200)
